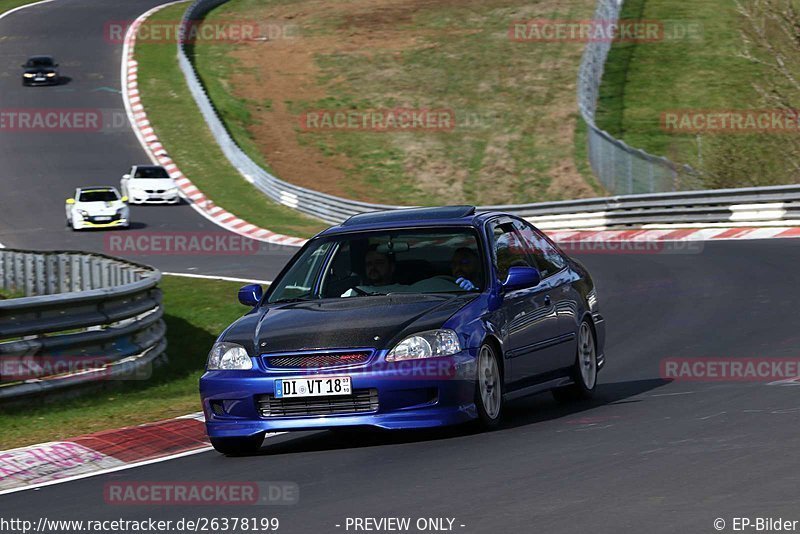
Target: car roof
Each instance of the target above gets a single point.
(33, 58)
(90, 189)
(411, 217)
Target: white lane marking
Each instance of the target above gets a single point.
(673, 394)
(10, 11)
(224, 278)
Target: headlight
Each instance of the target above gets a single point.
(228, 356)
(121, 211)
(28, 75)
(83, 213)
(51, 74)
(429, 344)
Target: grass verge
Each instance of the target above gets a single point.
(513, 102)
(195, 312)
(181, 129)
(700, 71)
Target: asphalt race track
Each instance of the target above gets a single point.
(43, 168)
(647, 455)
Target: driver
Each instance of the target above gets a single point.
(465, 266)
(378, 267)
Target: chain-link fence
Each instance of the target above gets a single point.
(623, 170)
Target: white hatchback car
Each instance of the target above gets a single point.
(149, 184)
(97, 207)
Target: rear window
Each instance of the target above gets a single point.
(150, 172)
(98, 196)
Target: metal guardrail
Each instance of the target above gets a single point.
(72, 319)
(620, 168)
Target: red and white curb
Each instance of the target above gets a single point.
(672, 234)
(102, 452)
(149, 141)
(205, 206)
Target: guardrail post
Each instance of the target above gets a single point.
(62, 274)
(86, 274)
(51, 275)
(19, 280)
(74, 273)
(28, 263)
(105, 274)
(41, 275)
(3, 269)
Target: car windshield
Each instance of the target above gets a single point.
(384, 262)
(105, 195)
(150, 172)
(40, 62)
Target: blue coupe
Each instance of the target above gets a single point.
(401, 319)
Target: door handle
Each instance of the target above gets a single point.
(547, 300)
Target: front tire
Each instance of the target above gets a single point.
(489, 388)
(584, 371)
(238, 446)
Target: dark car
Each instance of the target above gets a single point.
(405, 319)
(40, 70)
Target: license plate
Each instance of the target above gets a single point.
(312, 386)
(100, 219)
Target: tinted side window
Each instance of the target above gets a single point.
(508, 249)
(548, 260)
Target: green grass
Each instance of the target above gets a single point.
(196, 311)
(644, 80)
(461, 59)
(6, 5)
(181, 129)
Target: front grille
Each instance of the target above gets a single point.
(317, 361)
(361, 401)
(155, 191)
(113, 218)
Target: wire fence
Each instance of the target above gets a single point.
(623, 170)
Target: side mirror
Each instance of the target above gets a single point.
(250, 295)
(126, 176)
(521, 277)
(55, 64)
(124, 199)
(70, 201)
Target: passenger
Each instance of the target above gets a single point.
(465, 267)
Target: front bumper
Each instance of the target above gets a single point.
(142, 197)
(118, 223)
(435, 392)
(35, 82)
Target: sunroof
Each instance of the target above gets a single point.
(411, 214)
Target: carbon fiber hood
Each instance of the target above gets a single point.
(342, 323)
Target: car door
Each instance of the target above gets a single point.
(556, 284)
(529, 319)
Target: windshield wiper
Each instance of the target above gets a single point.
(294, 299)
(365, 293)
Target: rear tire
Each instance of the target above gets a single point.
(584, 371)
(488, 388)
(238, 446)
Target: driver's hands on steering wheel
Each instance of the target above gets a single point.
(465, 284)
